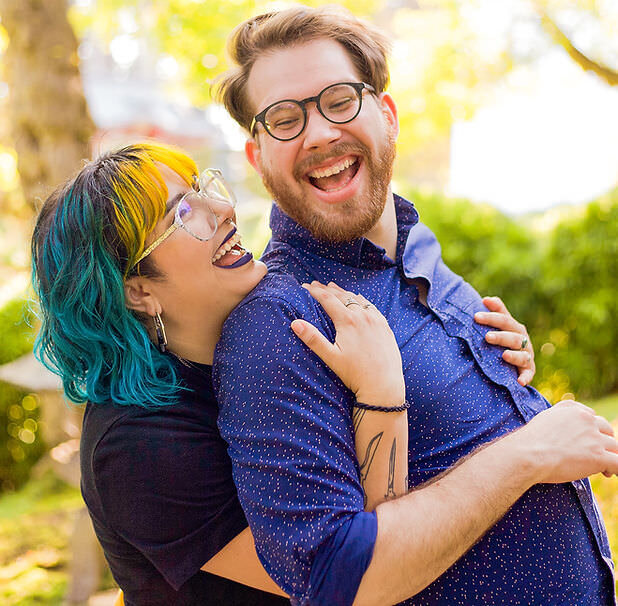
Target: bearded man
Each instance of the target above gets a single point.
(310, 88)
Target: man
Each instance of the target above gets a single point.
(309, 88)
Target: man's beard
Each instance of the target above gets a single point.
(352, 218)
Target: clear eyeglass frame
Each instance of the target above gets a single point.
(211, 186)
(358, 88)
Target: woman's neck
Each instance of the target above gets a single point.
(194, 337)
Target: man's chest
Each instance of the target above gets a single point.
(455, 404)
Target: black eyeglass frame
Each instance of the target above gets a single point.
(357, 86)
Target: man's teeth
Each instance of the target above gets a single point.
(227, 247)
(320, 173)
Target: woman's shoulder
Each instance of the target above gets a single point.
(195, 406)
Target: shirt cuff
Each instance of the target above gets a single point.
(341, 561)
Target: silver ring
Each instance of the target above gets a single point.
(351, 301)
(524, 342)
(368, 305)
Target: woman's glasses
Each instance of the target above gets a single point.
(194, 211)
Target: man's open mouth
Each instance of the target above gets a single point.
(335, 177)
(231, 254)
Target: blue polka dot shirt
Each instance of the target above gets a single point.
(286, 418)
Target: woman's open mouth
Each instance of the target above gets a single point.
(336, 177)
(231, 254)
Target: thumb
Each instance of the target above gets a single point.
(314, 340)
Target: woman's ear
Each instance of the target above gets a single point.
(138, 296)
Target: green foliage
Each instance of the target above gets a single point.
(579, 304)
(35, 526)
(16, 332)
(20, 441)
(562, 285)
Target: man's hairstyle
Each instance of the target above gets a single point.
(256, 37)
(87, 237)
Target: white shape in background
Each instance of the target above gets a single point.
(550, 137)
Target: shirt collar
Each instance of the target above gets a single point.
(359, 252)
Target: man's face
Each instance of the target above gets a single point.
(333, 179)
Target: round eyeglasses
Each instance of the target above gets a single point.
(338, 103)
(194, 212)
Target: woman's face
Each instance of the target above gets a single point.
(210, 277)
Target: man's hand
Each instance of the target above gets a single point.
(512, 335)
(567, 442)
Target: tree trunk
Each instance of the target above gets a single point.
(50, 124)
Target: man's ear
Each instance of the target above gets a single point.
(138, 296)
(254, 154)
(389, 109)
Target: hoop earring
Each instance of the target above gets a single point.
(160, 330)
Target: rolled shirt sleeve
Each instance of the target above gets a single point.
(286, 419)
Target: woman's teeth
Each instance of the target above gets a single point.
(227, 247)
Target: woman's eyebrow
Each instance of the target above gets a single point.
(173, 201)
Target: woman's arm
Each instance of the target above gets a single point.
(512, 335)
(238, 562)
(366, 358)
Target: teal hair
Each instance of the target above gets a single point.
(83, 247)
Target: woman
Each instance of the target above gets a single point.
(137, 263)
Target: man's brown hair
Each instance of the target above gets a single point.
(367, 47)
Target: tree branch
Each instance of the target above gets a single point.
(587, 64)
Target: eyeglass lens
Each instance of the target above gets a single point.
(197, 217)
(339, 103)
(213, 185)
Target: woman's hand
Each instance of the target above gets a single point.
(512, 335)
(366, 358)
(365, 354)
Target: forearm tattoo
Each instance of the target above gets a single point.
(357, 417)
(390, 490)
(365, 465)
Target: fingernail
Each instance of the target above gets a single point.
(491, 336)
(305, 285)
(298, 327)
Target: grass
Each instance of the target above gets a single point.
(607, 407)
(35, 526)
(36, 522)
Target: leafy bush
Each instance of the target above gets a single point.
(561, 284)
(20, 441)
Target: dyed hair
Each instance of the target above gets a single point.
(87, 237)
(368, 49)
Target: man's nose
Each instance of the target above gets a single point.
(319, 132)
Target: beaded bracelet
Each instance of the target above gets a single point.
(401, 408)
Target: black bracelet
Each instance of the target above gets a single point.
(401, 408)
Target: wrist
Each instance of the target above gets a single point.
(388, 399)
(515, 449)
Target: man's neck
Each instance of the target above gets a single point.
(384, 232)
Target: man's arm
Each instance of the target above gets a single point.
(425, 532)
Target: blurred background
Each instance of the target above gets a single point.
(508, 147)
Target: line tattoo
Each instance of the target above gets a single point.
(390, 490)
(357, 417)
(370, 453)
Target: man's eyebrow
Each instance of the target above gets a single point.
(173, 201)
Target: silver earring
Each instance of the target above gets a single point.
(160, 330)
